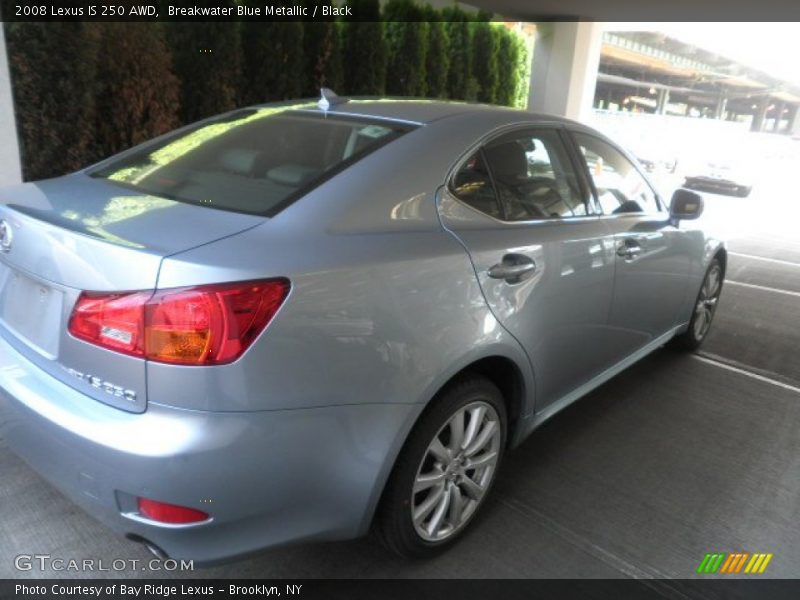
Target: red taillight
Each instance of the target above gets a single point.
(170, 513)
(204, 325)
(114, 321)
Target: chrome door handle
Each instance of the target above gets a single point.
(629, 250)
(514, 268)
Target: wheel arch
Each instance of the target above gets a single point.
(507, 376)
(499, 368)
(722, 255)
(504, 372)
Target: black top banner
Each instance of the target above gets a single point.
(353, 10)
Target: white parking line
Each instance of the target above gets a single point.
(723, 365)
(765, 259)
(762, 288)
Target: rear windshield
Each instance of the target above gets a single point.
(254, 161)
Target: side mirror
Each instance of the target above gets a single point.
(685, 205)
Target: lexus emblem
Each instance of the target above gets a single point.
(6, 235)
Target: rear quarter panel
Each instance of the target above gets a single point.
(384, 305)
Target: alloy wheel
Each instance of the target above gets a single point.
(707, 302)
(456, 471)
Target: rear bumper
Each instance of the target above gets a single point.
(266, 478)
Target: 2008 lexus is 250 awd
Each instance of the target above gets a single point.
(300, 321)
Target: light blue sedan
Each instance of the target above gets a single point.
(300, 321)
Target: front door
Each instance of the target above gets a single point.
(652, 255)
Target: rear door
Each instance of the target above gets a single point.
(652, 255)
(543, 258)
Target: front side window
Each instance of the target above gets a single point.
(620, 187)
(254, 161)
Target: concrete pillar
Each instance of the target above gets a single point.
(794, 122)
(10, 170)
(776, 124)
(661, 101)
(564, 71)
(760, 116)
(719, 109)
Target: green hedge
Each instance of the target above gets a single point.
(83, 91)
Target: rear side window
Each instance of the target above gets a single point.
(473, 186)
(534, 178)
(522, 177)
(253, 161)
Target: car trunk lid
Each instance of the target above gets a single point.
(63, 236)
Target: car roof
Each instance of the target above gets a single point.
(419, 111)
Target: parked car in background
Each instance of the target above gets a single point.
(720, 176)
(297, 322)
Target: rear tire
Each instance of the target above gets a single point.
(445, 470)
(705, 307)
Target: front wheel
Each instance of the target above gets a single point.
(704, 309)
(445, 470)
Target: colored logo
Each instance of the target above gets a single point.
(736, 562)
